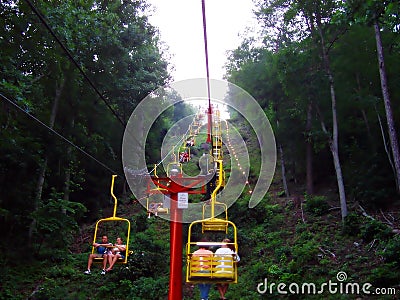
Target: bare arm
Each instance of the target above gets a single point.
(121, 247)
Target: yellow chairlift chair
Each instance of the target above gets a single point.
(116, 221)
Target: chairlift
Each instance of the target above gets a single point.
(214, 224)
(156, 207)
(116, 221)
(174, 169)
(216, 268)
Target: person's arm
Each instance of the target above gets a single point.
(103, 245)
(121, 247)
(237, 257)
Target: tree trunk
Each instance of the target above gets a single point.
(385, 145)
(309, 152)
(284, 180)
(43, 167)
(364, 115)
(67, 184)
(386, 99)
(334, 141)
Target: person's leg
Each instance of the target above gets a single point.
(222, 288)
(105, 259)
(113, 261)
(226, 288)
(110, 260)
(220, 291)
(207, 290)
(203, 290)
(90, 261)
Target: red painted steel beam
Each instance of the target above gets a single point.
(175, 277)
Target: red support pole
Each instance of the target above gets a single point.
(175, 267)
(209, 124)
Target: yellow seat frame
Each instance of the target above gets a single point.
(218, 268)
(215, 224)
(114, 218)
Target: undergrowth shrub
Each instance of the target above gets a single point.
(391, 252)
(107, 289)
(282, 253)
(64, 271)
(274, 240)
(316, 205)
(304, 252)
(258, 270)
(56, 221)
(374, 229)
(352, 224)
(149, 288)
(51, 290)
(385, 275)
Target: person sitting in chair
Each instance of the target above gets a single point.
(225, 250)
(119, 251)
(101, 251)
(204, 255)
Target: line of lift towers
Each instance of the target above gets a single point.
(220, 269)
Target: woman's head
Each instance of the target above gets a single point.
(228, 244)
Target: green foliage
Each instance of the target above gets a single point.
(143, 264)
(368, 11)
(373, 229)
(39, 78)
(149, 288)
(282, 252)
(305, 252)
(65, 271)
(317, 205)
(385, 275)
(352, 224)
(56, 221)
(391, 252)
(118, 48)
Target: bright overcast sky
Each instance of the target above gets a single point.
(180, 23)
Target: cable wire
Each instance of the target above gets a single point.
(171, 151)
(56, 133)
(203, 8)
(42, 19)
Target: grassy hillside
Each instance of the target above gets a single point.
(285, 243)
(281, 241)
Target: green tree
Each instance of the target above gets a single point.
(63, 69)
(311, 19)
(381, 14)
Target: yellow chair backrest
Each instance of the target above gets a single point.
(224, 263)
(217, 268)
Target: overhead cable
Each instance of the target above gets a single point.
(203, 6)
(57, 134)
(42, 19)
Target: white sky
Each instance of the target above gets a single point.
(180, 23)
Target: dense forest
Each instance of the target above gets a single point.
(326, 75)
